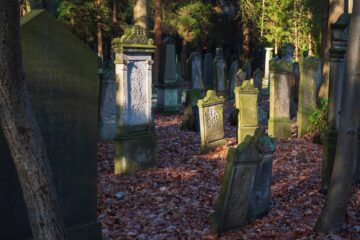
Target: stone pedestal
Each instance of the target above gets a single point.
(279, 125)
(168, 90)
(246, 102)
(133, 70)
(211, 111)
(265, 83)
(307, 92)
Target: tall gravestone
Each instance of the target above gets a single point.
(279, 124)
(141, 14)
(307, 92)
(245, 188)
(208, 71)
(258, 76)
(211, 116)
(232, 78)
(62, 80)
(339, 43)
(168, 88)
(135, 141)
(195, 71)
(220, 75)
(246, 101)
(266, 80)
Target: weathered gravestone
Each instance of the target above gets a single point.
(307, 92)
(265, 83)
(232, 78)
(245, 188)
(208, 71)
(211, 111)
(246, 102)
(135, 141)
(220, 70)
(191, 113)
(258, 76)
(168, 88)
(279, 124)
(240, 77)
(195, 71)
(339, 43)
(62, 80)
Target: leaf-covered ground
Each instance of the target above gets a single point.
(176, 199)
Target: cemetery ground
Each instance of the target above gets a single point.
(176, 199)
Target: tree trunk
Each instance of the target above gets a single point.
(22, 133)
(114, 12)
(184, 50)
(99, 33)
(157, 30)
(333, 213)
(246, 41)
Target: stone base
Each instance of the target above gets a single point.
(279, 128)
(168, 99)
(328, 159)
(210, 146)
(135, 152)
(242, 132)
(302, 122)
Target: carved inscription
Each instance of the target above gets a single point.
(214, 124)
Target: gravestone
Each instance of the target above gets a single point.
(307, 92)
(135, 141)
(211, 112)
(220, 69)
(232, 78)
(168, 88)
(279, 124)
(62, 80)
(240, 77)
(246, 102)
(195, 71)
(208, 71)
(191, 113)
(245, 188)
(265, 83)
(339, 44)
(258, 76)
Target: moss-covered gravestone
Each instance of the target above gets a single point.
(245, 188)
(307, 92)
(135, 141)
(62, 80)
(211, 116)
(246, 102)
(168, 89)
(279, 124)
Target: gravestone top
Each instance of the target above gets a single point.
(281, 66)
(219, 51)
(211, 99)
(287, 52)
(134, 36)
(309, 63)
(248, 86)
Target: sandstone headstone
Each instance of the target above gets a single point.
(62, 81)
(246, 100)
(307, 92)
(135, 141)
(195, 70)
(280, 78)
(211, 111)
(220, 69)
(232, 78)
(168, 88)
(265, 84)
(208, 71)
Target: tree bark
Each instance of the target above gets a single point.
(22, 133)
(99, 33)
(184, 51)
(333, 213)
(246, 40)
(157, 30)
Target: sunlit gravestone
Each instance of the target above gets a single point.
(265, 83)
(279, 124)
(62, 80)
(246, 102)
(135, 141)
(211, 112)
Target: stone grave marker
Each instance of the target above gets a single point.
(135, 141)
(246, 101)
(195, 71)
(191, 113)
(168, 88)
(62, 80)
(279, 124)
(265, 83)
(208, 71)
(211, 111)
(307, 92)
(232, 78)
(258, 76)
(220, 69)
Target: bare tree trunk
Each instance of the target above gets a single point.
(184, 50)
(333, 213)
(22, 133)
(246, 40)
(99, 33)
(157, 30)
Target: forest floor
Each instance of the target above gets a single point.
(176, 199)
